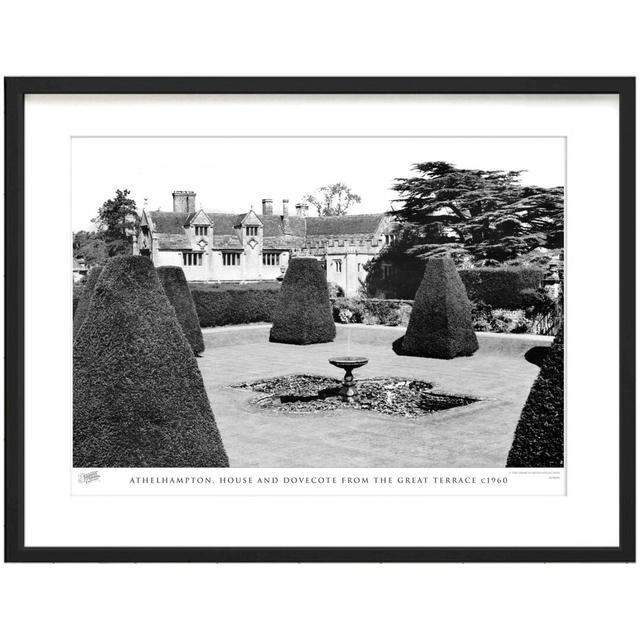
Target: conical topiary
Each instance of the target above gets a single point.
(539, 436)
(303, 313)
(85, 298)
(440, 324)
(138, 396)
(177, 290)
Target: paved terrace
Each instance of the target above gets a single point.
(477, 435)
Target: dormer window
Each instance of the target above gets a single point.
(201, 230)
(251, 231)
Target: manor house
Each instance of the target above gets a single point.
(220, 246)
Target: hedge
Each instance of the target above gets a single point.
(440, 324)
(503, 287)
(539, 436)
(138, 395)
(175, 286)
(264, 285)
(217, 306)
(82, 305)
(78, 288)
(303, 314)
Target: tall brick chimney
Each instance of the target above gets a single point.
(302, 209)
(286, 225)
(184, 201)
(267, 207)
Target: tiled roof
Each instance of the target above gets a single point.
(167, 221)
(174, 242)
(172, 235)
(224, 223)
(344, 225)
(226, 242)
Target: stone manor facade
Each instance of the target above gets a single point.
(220, 246)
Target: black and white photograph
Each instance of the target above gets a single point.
(318, 302)
(360, 314)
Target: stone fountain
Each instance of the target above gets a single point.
(348, 363)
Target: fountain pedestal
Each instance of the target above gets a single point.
(348, 363)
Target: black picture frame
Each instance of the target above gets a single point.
(15, 91)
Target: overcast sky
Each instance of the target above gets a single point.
(236, 173)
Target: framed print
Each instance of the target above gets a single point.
(320, 319)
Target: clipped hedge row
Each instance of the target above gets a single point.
(503, 287)
(223, 305)
(217, 306)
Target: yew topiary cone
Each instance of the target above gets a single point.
(175, 286)
(85, 298)
(303, 314)
(138, 396)
(440, 325)
(539, 436)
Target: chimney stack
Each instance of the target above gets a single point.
(267, 207)
(286, 225)
(184, 201)
(302, 209)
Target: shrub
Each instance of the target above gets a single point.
(372, 311)
(347, 310)
(85, 298)
(218, 306)
(303, 314)
(440, 324)
(503, 287)
(335, 290)
(539, 436)
(510, 321)
(175, 286)
(501, 320)
(138, 396)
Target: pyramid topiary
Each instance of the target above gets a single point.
(539, 436)
(85, 298)
(177, 290)
(440, 324)
(138, 396)
(303, 314)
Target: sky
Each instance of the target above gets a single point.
(235, 173)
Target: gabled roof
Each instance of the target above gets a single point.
(251, 218)
(202, 214)
(171, 229)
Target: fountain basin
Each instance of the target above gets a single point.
(351, 362)
(348, 363)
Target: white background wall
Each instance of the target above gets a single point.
(293, 38)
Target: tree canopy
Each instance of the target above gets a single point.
(333, 199)
(91, 246)
(117, 221)
(484, 215)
